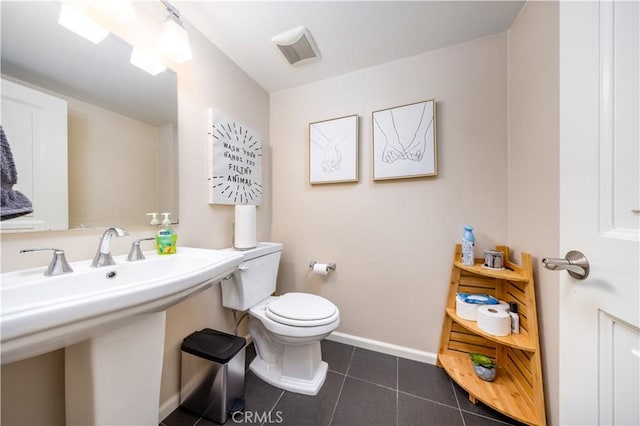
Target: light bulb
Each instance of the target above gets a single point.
(174, 41)
(146, 62)
(79, 23)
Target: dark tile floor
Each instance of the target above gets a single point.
(363, 388)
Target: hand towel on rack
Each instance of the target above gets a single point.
(12, 203)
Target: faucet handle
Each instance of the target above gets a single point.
(135, 253)
(58, 265)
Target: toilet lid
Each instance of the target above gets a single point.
(302, 310)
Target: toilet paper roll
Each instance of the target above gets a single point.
(502, 306)
(245, 227)
(494, 320)
(321, 268)
(469, 311)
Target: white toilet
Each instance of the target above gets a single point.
(286, 329)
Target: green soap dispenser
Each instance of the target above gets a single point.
(166, 237)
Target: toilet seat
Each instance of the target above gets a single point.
(302, 310)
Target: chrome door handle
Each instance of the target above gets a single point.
(574, 262)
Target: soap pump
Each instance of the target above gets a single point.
(154, 219)
(166, 221)
(166, 237)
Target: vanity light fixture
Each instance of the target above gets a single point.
(146, 61)
(173, 40)
(76, 21)
(121, 11)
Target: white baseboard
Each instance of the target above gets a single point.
(383, 347)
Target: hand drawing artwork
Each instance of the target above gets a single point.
(404, 142)
(235, 162)
(333, 150)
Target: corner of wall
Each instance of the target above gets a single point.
(533, 221)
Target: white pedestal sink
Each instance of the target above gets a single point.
(126, 367)
(111, 321)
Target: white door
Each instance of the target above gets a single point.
(599, 202)
(35, 124)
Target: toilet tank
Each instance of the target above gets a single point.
(255, 278)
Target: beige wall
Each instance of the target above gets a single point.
(393, 241)
(33, 390)
(111, 157)
(534, 168)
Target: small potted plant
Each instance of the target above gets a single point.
(484, 366)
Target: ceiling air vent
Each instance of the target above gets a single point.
(297, 46)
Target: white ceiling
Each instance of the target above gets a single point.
(350, 35)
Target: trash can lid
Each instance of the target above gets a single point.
(213, 345)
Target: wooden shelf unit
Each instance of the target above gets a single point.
(517, 390)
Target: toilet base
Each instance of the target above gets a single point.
(272, 374)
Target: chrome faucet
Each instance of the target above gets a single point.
(103, 256)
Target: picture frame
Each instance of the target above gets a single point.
(333, 150)
(404, 141)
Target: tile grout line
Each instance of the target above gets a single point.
(455, 394)
(397, 390)
(471, 412)
(429, 400)
(353, 352)
(274, 406)
(346, 374)
(335, 407)
(371, 383)
(493, 419)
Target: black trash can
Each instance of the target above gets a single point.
(212, 376)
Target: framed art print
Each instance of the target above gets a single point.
(333, 150)
(404, 141)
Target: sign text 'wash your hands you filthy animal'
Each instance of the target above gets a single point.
(235, 162)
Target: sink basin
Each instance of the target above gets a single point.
(40, 314)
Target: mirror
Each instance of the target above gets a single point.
(122, 121)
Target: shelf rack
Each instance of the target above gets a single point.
(517, 390)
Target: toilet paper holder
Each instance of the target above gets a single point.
(330, 266)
